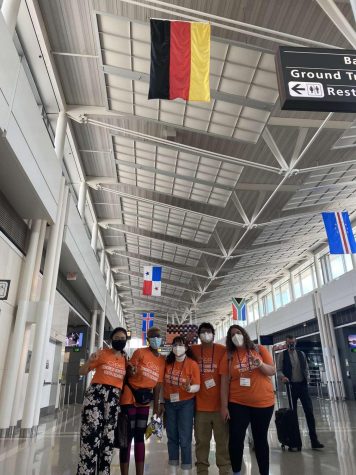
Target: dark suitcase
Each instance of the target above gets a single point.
(287, 425)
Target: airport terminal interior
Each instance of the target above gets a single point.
(164, 164)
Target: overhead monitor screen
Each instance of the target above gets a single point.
(74, 340)
(352, 342)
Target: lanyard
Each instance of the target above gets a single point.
(180, 374)
(202, 360)
(248, 359)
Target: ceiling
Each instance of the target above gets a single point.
(225, 195)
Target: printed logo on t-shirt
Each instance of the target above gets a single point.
(175, 378)
(206, 365)
(150, 370)
(113, 369)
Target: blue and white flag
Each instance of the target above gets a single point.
(152, 277)
(339, 231)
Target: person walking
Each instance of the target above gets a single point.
(101, 405)
(145, 376)
(292, 368)
(181, 383)
(207, 418)
(247, 396)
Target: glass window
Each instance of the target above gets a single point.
(255, 311)
(307, 281)
(348, 262)
(267, 303)
(261, 308)
(285, 293)
(337, 265)
(297, 286)
(278, 297)
(250, 312)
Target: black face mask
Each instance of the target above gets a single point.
(291, 346)
(118, 345)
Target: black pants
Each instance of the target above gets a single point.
(259, 418)
(300, 391)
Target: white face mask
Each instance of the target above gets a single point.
(238, 339)
(206, 337)
(179, 350)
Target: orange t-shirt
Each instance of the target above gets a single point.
(149, 372)
(208, 397)
(178, 373)
(259, 392)
(110, 368)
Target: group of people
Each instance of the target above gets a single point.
(208, 387)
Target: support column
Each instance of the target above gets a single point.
(102, 262)
(27, 337)
(94, 236)
(82, 198)
(318, 273)
(10, 11)
(42, 312)
(8, 386)
(108, 278)
(291, 287)
(92, 341)
(112, 290)
(61, 130)
(101, 329)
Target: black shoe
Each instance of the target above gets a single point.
(317, 445)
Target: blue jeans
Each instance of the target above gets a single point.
(179, 431)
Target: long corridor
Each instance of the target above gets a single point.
(55, 450)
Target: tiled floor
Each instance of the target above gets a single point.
(55, 450)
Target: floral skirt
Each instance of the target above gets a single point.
(99, 419)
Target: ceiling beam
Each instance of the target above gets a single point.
(339, 20)
(166, 201)
(162, 238)
(308, 123)
(139, 289)
(271, 143)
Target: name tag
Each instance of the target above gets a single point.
(174, 397)
(209, 383)
(245, 382)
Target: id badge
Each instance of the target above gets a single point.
(209, 383)
(245, 382)
(174, 397)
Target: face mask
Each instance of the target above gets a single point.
(206, 337)
(179, 350)
(238, 339)
(118, 345)
(291, 346)
(155, 342)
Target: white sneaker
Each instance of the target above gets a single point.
(172, 469)
(186, 471)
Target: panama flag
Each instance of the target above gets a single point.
(339, 231)
(152, 277)
(238, 309)
(180, 60)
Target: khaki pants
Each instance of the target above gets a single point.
(205, 423)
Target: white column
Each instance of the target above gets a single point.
(273, 297)
(101, 329)
(8, 386)
(108, 278)
(102, 261)
(319, 279)
(61, 129)
(10, 10)
(92, 341)
(42, 312)
(27, 337)
(94, 236)
(115, 301)
(82, 198)
(291, 287)
(112, 291)
(51, 306)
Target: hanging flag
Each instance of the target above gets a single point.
(180, 60)
(339, 231)
(152, 277)
(147, 321)
(238, 309)
(186, 330)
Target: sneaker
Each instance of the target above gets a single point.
(317, 445)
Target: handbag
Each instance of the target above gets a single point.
(142, 395)
(121, 431)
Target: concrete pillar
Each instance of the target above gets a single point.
(112, 290)
(102, 262)
(82, 198)
(60, 137)
(273, 298)
(8, 386)
(27, 337)
(92, 340)
(42, 313)
(10, 11)
(94, 236)
(291, 287)
(101, 329)
(318, 273)
(108, 277)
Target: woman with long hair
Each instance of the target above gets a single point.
(181, 382)
(247, 396)
(101, 405)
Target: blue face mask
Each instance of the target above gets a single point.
(155, 342)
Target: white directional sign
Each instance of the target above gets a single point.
(305, 89)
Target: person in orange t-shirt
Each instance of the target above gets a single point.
(207, 408)
(101, 405)
(247, 396)
(181, 383)
(145, 376)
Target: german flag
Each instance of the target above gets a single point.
(180, 60)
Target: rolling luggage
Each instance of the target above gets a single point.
(287, 425)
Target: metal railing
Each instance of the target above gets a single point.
(71, 393)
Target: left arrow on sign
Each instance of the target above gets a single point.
(298, 88)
